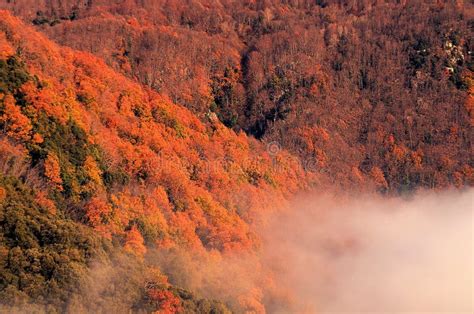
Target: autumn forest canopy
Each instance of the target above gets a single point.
(145, 144)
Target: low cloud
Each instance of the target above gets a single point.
(373, 254)
(327, 254)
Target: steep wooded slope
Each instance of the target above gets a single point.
(83, 149)
(368, 91)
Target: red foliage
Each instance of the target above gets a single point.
(167, 302)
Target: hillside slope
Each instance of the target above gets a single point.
(372, 91)
(97, 169)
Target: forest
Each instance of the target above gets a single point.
(137, 135)
(387, 81)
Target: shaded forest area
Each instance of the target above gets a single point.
(366, 91)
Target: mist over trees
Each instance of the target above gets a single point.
(145, 143)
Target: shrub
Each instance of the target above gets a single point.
(12, 74)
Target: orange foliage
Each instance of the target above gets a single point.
(253, 302)
(46, 99)
(134, 242)
(42, 199)
(188, 183)
(168, 303)
(52, 171)
(379, 178)
(17, 125)
(6, 49)
(93, 170)
(37, 138)
(3, 194)
(97, 211)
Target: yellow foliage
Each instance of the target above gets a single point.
(93, 170)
